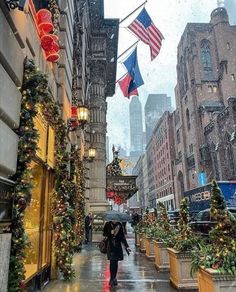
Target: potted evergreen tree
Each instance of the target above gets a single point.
(180, 254)
(164, 237)
(148, 240)
(216, 261)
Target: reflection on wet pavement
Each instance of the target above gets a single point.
(136, 273)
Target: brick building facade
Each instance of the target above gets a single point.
(160, 154)
(206, 78)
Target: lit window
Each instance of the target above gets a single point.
(214, 88)
(210, 89)
(232, 77)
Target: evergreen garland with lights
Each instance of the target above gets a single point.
(80, 210)
(35, 92)
(27, 147)
(53, 7)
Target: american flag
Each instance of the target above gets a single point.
(146, 31)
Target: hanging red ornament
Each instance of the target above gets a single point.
(44, 19)
(46, 41)
(74, 112)
(52, 56)
(110, 195)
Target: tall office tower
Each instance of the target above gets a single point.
(136, 127)
(155, 106)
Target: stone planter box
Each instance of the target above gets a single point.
(180, 266)
(149, 247)
(211, 281)
(137, 235)
(141, 243)
(161, 256)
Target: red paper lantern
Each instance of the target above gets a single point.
(44, 19)
(52, 56)
(47, 41)
(74, 112)
(110, 195)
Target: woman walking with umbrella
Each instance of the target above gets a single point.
(114, 231)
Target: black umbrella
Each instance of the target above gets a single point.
(116, 216)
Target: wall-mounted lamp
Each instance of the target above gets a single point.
(82, 115)
(79, 117)
(91, 155)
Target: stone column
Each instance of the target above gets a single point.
(98, 109)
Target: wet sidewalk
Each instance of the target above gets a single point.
(136, 273)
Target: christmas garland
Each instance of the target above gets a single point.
(35, 92)
(53, 7)
(80, 210)
(27, 147)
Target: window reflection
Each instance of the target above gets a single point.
(32, 222)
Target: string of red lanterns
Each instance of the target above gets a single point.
(118, 200)
(49, 41)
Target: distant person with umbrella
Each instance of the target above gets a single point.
(88, 227)
(114, 231)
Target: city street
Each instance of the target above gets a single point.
(117, 119)
(136, 273)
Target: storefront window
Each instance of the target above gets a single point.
(47, 228)
(32, 222)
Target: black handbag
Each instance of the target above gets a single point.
(103, 245)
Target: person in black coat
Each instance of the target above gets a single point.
(114, 231)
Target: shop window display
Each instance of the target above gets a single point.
(32, 222)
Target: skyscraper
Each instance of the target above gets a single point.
(136, 127)
(155, 106)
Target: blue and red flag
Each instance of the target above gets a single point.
(133, 78)
(146, 31)
(124, 86)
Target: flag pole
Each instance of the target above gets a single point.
(133, 12)
(121, 77)
(127, 49)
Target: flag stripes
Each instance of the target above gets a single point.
(146, 31)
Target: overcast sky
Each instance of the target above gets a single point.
(171, 17)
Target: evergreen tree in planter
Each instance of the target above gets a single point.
(164, 232)
(220, 253)
(185, 238)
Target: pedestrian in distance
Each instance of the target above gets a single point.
(88, 228)
(114, 232)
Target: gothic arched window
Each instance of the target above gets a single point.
(206, 55)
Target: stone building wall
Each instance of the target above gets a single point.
(205, 79)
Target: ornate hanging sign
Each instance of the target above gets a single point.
(119, 187)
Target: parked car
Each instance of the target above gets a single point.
(173, 216)
(203, 222)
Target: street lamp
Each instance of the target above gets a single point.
(79, 117)
(82, 115)
(92, 153)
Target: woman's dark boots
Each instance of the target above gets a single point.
(113, 282)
